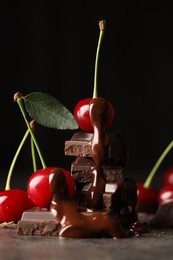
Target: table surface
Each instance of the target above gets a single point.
(153, 245)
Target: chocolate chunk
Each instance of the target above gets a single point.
(81, 145)
(37, 214)
(115, 196)
(38, 222)
(81, 199)
(82, 167)
(163, 217)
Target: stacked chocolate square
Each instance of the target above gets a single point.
(83, 167)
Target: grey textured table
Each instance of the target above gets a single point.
(154, 245)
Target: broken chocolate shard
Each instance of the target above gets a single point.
(81, 145)
(38, 213)
(38, 228)
(82, 168)
(163, 217)
(37, 221)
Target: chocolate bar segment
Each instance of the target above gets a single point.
(163, 217)
(82, 167)
(80, 145)
(37, 221)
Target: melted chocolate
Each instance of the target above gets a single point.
(76, 223)
(79, 222)
(100, 143)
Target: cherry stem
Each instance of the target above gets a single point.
(7, 186)
(19, 99)
(34, 161)
(157, 164)
(102, 25)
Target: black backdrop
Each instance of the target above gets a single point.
(50, 46)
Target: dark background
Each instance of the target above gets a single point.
(50, 46)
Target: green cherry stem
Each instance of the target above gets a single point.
(102, 25)
(19, 99)
(8, 181)
(34, 161)
(157, 164)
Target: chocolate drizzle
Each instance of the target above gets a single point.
(100, 142)
(98, 116)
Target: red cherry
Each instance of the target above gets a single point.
(168, 176)
(166, 194)
(12, 204)
(81, 114)
(147, 199)
(38, 186)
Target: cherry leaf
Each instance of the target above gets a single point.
(48, 111)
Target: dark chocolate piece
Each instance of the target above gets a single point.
(38, 214)
(81, 145)
(163, 217)
(81, 170)
(115, 196)
(37, 221)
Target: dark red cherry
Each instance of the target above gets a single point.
(147, 199)
(168, 176)
(13, 203)
(38, 186)
(81, 114)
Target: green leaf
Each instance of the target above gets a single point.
(48, 111)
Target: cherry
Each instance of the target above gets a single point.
(168, 176)
(38, 186)
(166, 194)
(14, 201)
(81, 114)
(12, 204)
(81, 109)
(147, 198)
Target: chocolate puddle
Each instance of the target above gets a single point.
(76, 223)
